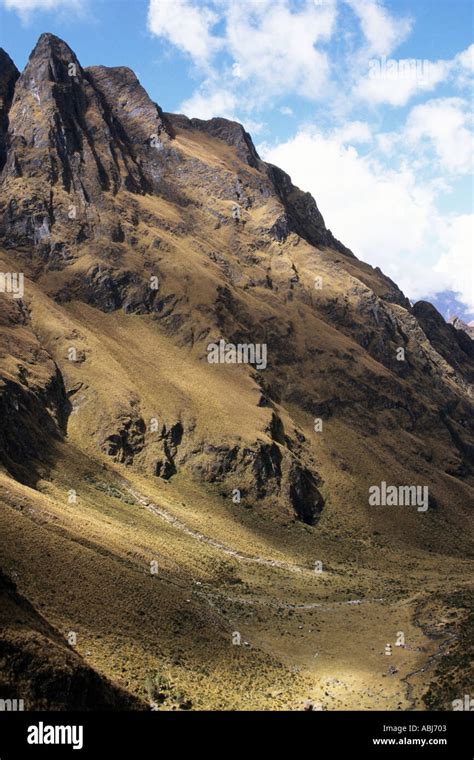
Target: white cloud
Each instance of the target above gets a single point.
(396, 81)
(209, 102)
(388, 217)
(456, 263)
(464, 68)
(218, 102)
(274, 45)
(365, 204)
(186, 25)
(25, 8)
(382, 31)
(354, 132)
(445, 124)
(271, 49)
(466, 59)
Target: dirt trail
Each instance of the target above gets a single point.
(198, 536)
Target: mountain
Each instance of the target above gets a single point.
(203, 525)
(459, 324)
(448, 304)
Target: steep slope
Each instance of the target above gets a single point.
(145, 237)
(36, 663)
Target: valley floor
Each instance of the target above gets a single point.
(185, 602)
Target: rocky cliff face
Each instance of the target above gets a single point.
(8, 76)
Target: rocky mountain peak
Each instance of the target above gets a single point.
(63, 130)
(141, 120)
(51, 59)
(460, 324)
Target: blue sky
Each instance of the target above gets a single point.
(367, 104)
